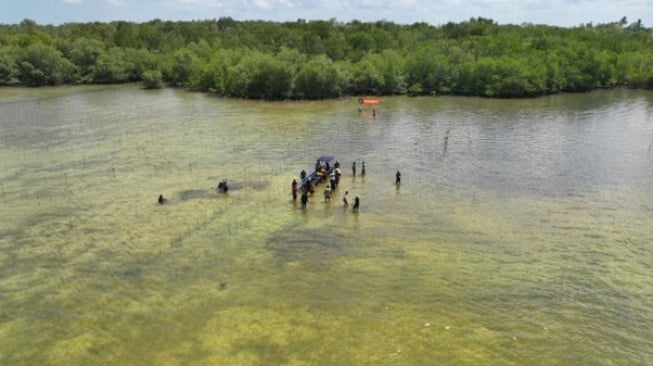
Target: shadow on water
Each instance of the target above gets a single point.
(191, 194)
(267, 346)
(316, 247)
(131, 272)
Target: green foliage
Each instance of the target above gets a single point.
(84, 53)
(392, 65)
(429, 70)
(319, 78)
(41, 64)
(213, 75)
(636, 69)
(181, 67)
(152, 79)
(114, 66)
(259, 76)
(8, 67)
(368, 75)
(326, 59)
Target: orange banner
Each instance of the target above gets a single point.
(369, 101)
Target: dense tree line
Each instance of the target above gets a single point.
(327, 59)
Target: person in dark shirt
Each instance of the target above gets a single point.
(293, 188)
(304, 199)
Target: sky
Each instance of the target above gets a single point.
(565, 13)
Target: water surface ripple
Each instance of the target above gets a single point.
(520, 233)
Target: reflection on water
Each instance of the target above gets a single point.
(520, 232)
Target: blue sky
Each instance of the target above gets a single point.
(567, 13)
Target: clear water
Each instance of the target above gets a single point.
(521, 232)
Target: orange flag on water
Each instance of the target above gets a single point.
(369, 101)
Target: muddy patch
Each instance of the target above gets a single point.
(191, 194)
(315, 247)
(235, 185)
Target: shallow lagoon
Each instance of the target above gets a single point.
(520, 233)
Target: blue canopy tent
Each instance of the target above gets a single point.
(323, 167)
(325, 159)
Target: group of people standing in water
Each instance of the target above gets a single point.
(308, 185)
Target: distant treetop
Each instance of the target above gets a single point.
(327, 59)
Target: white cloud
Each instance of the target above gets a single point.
(244, 4)
(555, 12)
(277, 4)
(114, 2)
(202, 3)
(262, 4)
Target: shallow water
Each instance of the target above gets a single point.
(520, 233)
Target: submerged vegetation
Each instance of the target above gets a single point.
(327, 59)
